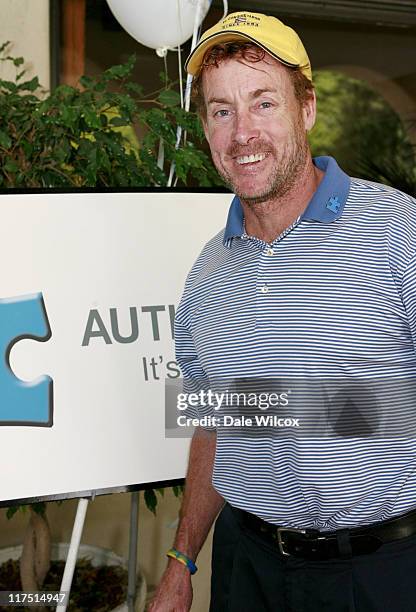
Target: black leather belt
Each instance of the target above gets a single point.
(320, 545)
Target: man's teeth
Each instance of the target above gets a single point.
(249, 159)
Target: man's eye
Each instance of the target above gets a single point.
(265, 104)
(221, 113)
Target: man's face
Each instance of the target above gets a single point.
(255, 127)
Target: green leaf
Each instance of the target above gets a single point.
(68, 116)
(11, 511)
(169, 97)
(134, 88)
(12, 87)
(31, 85)
(5, 140)
(39, 508)
(20, 75)
(11, 166)
(103, 160)
(18, 61)
(62, 91)
(150, 500)
(119, 121)
(86, 81)
(92, 156)
(27, 147)
(92, 119)
(121, 71)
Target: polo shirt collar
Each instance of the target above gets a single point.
(325, 206)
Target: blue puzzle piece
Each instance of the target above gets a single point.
(333, 204)
(23, 403)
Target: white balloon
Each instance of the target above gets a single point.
(158, 23)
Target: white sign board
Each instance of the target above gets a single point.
(110, 268)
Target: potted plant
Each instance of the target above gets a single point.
(100, 580)
(83, 137)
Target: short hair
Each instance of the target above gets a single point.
(250, 52)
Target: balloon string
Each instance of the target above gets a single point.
(180, 74)
(179, 128)
(161, 154)
(165, 62)
(195, 34)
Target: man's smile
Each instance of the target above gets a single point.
(249, 159)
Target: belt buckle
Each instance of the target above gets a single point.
(280, 541)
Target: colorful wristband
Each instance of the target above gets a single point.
(175, 554)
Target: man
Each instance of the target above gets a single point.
(313, 277)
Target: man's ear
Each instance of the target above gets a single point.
(309, 112)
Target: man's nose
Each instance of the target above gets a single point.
(244, 128)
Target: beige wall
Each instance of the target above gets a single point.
(107, 525)
(26, 24)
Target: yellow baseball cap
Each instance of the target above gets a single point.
(280, 41)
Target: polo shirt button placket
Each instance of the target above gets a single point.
(269, 252)
(263, 286)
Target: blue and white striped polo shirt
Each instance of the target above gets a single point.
(334, 295)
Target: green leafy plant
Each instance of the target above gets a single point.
(398, 171)
(150, 496)
(85, 137)
(362, 131)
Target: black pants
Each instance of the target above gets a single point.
(250, 575)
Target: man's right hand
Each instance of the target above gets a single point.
(174, 593)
